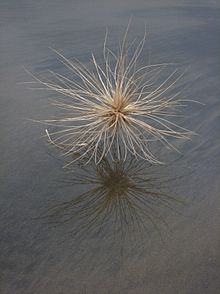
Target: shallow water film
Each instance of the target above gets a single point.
(116, 227)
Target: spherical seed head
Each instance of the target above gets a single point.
(118, 111)
(118, 104)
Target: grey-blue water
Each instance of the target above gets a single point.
(56, 235)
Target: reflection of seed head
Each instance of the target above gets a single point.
(119, 102)
(115, 180)
(129, 197)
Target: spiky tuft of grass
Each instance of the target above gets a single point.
(117, 103)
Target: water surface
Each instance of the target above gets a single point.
(138, 246)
